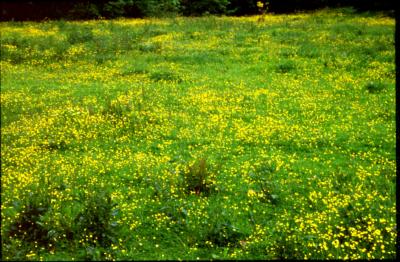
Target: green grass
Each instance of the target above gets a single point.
(199, 138)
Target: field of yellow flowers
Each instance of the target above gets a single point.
(261, 137)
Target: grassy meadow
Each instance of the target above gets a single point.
(260, 137)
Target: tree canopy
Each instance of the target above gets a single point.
(92, 9)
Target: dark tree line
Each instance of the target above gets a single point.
(89, 9)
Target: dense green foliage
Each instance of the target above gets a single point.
(259, 137)
(89, 9)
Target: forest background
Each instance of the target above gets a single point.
(20, 10)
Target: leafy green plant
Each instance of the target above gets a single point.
(30, 226)
(262, 177)
(158, 8)
(224, 234)
(117, 8)
(95, 223)
(177, 214)
(197, 178)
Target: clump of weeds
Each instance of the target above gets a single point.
(94, 223)
(32, 228)
(262, 178)
(30, 225)
(224, 234)
(197, 179)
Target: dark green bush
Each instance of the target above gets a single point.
(200, 7)
(224, 234)
(33, 228)
(197, 179)
(118, 8)
(139, 8)
(158, 8)
(85, 10)
(95, 223)
(30, 226)
(242, 7)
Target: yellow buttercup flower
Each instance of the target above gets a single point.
(335, 243)
(251, 193)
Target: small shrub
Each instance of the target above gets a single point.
(177, 214)
(30, 226)
(196, 179)
(117, 8)
(84, 10)
(262, 179)
(94, 223)
(158, 8)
